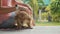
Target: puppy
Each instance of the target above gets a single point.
(22, 18)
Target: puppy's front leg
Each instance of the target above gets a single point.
(18, 23)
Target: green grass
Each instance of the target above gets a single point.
(47, 23)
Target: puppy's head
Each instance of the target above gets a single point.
(22, 14)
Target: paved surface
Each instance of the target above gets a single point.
(36, 30)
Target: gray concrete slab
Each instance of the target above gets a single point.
(36, 30)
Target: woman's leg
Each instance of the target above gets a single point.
(9, 22)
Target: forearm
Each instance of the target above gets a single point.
(7, 10)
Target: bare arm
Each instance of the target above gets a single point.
(7, 10)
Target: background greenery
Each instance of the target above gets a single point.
(50, 10)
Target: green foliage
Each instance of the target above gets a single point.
(44, 15)
(35, 6)
(54, 9)
(40, 2)
(55, 6)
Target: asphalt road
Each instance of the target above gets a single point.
(36, 30)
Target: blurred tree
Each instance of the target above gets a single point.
(41, 4)
(26, 1)
(35, 6)
(54, 9)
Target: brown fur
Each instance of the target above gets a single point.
(21, 18)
